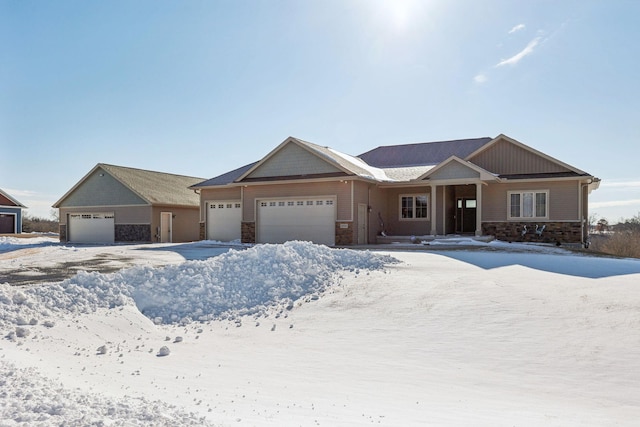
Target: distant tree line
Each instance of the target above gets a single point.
(621, 239)
(34, 224)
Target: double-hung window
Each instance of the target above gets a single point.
(528, 204)
(414, 207)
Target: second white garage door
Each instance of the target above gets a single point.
(91, 228)
(308, 219)
(224, 220)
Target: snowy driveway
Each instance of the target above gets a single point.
(49, 261)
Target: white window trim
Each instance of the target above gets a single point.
(527, 218)
(414, 195)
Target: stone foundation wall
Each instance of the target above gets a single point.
(63, 233)
(344, 236)
(248, 232)
(133, 233)
(554, 232)
(202, 231)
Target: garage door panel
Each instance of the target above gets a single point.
(309, 219)
(224, 220)
(7, 224)
(91, 228)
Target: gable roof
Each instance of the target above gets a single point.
(156, 188)
(482, 173)
(394, 163)
(572, 171)
(422, 154)
(346, 163)
(10, 199)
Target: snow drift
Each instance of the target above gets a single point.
(237, 283)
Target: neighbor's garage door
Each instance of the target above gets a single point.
(309, 219)
(7, 224)
(224, 220)
(91, 228)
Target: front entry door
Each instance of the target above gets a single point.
(362, 224)
(465, 215)
(166, 227)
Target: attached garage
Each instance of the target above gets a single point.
(91, 228)
(308, 219)
(224, 220)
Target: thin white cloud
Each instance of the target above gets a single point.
(518, 56)
(517, 28)
(614, 203)
(620, 184)
(20, 193)
(480, 78)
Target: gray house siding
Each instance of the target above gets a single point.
(293, 160)
(101, 189)
(506, 158)
(454, 170)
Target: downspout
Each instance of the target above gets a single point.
(368, 212)
(583, 241)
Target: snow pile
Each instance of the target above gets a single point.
(11, 243)
(233, 284)
(29, 399)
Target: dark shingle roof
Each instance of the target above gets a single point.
(422, 154)
(225, 178)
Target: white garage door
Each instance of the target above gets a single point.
(224, 220)
(308, 219)
(91, 228)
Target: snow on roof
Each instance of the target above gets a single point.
(363, 169)
(406, 173)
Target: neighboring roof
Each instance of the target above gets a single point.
(11, 199)
(422, 154)
(156, 188)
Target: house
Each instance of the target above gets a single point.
(119, 204)
(496, 187)
(10, 214)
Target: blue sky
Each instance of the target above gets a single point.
(202, 87)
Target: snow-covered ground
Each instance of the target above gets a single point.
(300, 334)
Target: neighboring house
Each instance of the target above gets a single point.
(10, 214)
(119, 204)
(484, 187)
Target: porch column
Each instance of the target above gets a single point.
(433, 203)
(479, 208)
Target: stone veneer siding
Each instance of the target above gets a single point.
(202, 231)
(248, 232)
(344, 236)
(554, 232)
(63, 232)
(133, 233)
